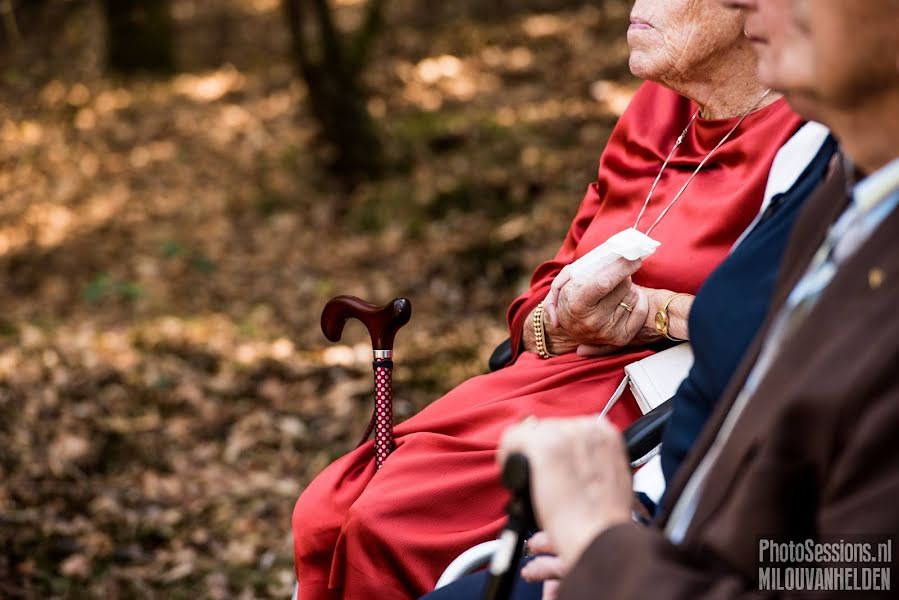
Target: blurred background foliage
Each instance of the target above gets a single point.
(184, 183)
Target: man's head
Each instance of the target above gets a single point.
(855, 48)
(779, 32)
(824, 54)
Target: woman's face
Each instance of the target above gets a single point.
(675, 40)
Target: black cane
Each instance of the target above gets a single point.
(504, 565)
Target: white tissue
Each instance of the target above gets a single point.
(629, 244)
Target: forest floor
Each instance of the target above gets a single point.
(166, 247)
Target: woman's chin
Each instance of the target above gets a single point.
(643, 66)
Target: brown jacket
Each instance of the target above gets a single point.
(815, 454)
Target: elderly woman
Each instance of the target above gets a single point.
(687, 163)
(803, 444)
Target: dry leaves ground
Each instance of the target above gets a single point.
(166, 247)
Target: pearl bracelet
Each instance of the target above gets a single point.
(540, 332)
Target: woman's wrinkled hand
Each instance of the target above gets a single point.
(589, 278)
(580, 479)
(600, 270)
(597, 304)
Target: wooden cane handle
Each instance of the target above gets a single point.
(382, 322)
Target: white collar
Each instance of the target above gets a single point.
(877, 187)
(789, 164)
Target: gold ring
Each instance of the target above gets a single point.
(626, 307)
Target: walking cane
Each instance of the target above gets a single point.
(504, 565)
(382, 323)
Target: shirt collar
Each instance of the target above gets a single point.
(877, 187)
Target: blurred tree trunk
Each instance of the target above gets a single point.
(10, 25)
(139, 36)
(331, 64)
(22, 19)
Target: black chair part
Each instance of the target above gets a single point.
(501, 356)
(645, 433)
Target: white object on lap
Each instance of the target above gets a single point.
(654, 379)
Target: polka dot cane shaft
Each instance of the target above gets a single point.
(383, 416)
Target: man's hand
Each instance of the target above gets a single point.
(546, 567)
(580, 479)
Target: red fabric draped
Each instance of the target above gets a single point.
(388, 535)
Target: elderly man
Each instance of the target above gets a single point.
(803, 445)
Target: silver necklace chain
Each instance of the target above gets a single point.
(680, 140)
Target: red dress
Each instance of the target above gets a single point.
(388, 535)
